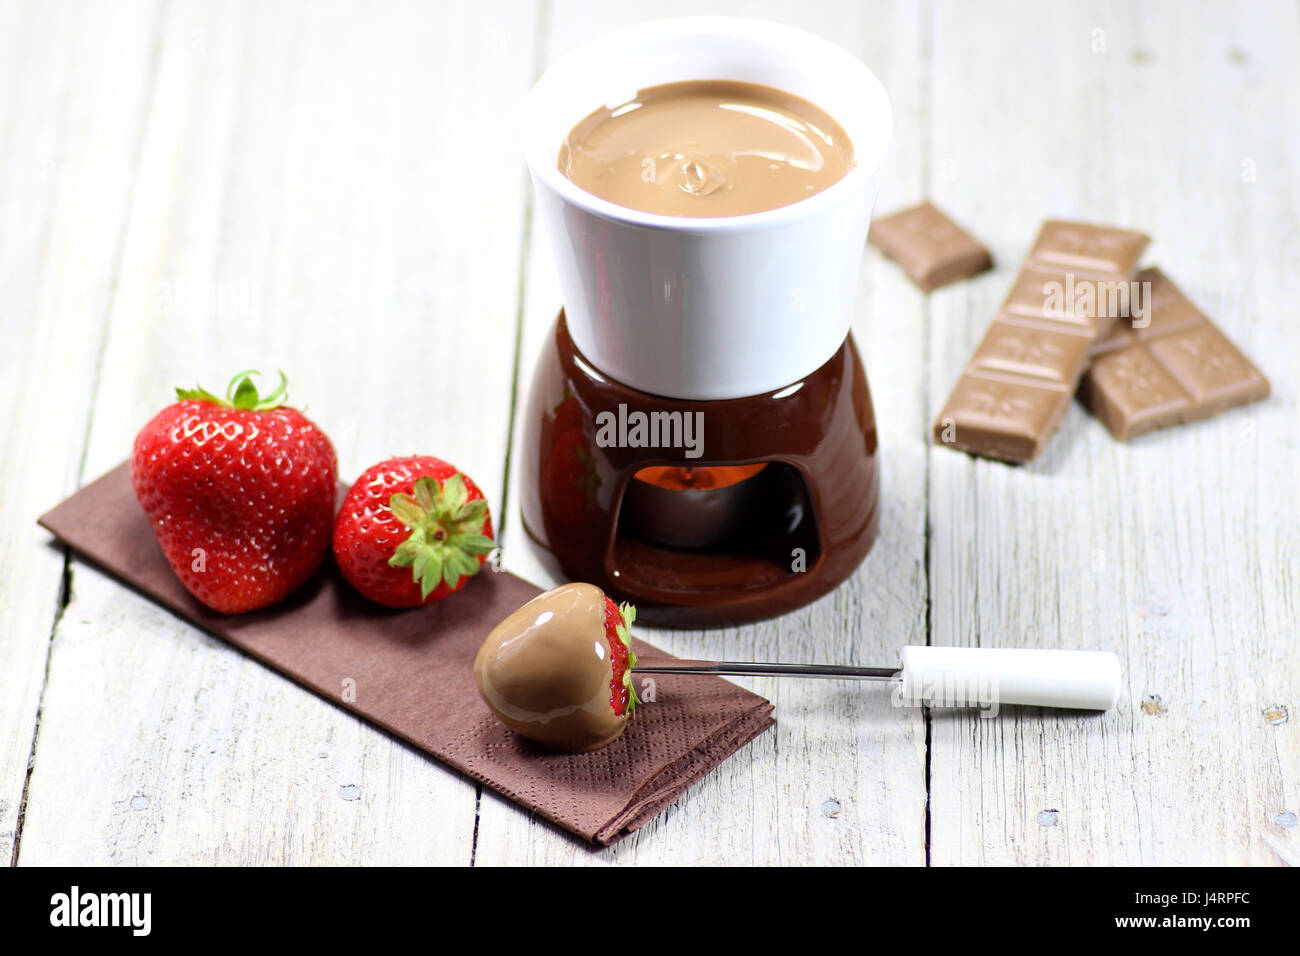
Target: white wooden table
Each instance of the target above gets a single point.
(191, 188)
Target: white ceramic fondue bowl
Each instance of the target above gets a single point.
(707, 308)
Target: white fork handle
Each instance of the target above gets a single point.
(1083, 680)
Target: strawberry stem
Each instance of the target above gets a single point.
(446, 536)
(627, 612)
(241, 393)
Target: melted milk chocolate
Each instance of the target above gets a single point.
(707, 148)
(545, 670)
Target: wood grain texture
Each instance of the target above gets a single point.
(1177, 550)
(72, 96)
(301, 205)
(191, 188)
(842, 777)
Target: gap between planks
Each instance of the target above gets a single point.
(925, 73)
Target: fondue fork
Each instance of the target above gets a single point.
(1080, 680)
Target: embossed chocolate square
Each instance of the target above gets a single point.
(1010, 348)
(1207, 365)
(1086, 301)
(1083, 247)
(1172, 368)
(932, 249)
(1132, 393)
(1000, 419)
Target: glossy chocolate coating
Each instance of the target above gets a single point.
(545, 671)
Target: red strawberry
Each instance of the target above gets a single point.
(240, 492)
(559, 669)
(411, 531)
(618, 635)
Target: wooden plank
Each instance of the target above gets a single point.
(1178, 550)
(299, 170)
(842, 777)
(74, 83)
(305, 201)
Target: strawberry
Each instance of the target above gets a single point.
(618, 635)
(411, 531)
(559, 669)
(240, 492)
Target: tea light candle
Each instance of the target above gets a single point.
(687, 477)
(692, 506)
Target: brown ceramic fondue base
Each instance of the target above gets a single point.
(819, 500)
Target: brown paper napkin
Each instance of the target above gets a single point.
(412, 674)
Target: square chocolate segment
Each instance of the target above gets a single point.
(1000, 419)
(1206, 364)
(1076, 301)
(932, 249)
(1178, 368)
(1010, 348)
(1083, 247)
(1131, 392)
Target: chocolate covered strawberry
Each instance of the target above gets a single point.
(559, 669)
(240, 492)
(411, 531)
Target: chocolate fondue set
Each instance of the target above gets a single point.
(699, 437)
(698, 443)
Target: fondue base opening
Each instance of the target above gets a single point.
(794, 528)
(759, 510)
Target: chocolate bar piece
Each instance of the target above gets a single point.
(1082, 248)
(1168, 367)
(930, 247)
(1014, 391)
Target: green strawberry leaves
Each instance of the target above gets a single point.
(241, 393)
(624, 631)
(198, 394)
(446, 536)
